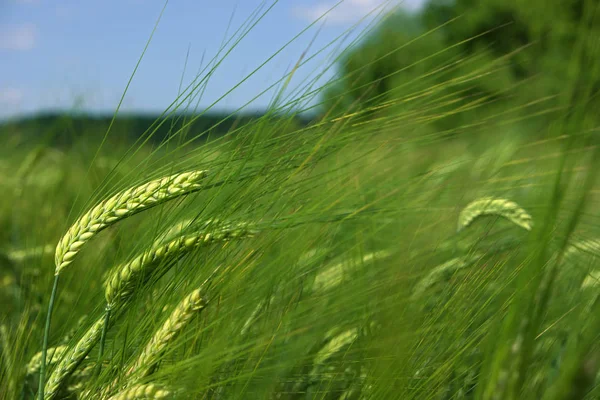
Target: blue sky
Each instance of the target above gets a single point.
(73, 54)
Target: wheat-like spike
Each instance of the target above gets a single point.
(143, 366)
(179, 319)
(323, 367)
(182, 227)
(146, 391)
(72, 359)
(589, 246)
(125, 279)
(54, 355)
(335, 344)
(443, 272)
(173, 231)
(493, 206)
(334, 275)
(120, 206)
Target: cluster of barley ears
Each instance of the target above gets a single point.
(145, 363)
(486, 206)
(575, 262)
(70, 365)
(108, 212)
(511, 211)
(126, 279)
(333, 365)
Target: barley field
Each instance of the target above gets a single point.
(433, 237)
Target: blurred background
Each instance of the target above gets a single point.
(70, 55)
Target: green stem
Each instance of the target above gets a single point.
(46, 335)
(103, 339)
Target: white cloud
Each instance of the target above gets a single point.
(18, 37)
(351, 10)
(12, 97)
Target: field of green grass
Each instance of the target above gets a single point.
(369, 254)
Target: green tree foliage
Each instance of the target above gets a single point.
(461, 59)
(561, 38)
(406, 71)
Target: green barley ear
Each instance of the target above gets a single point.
(71, 360)
(182, 227)
(121, 206)
(493, 206)
(325, 361)
(443, 272)
(334, 275)
(55, 354)
(335, 342)
(183, 314)
(146, 362)
(147, 391)
(125, 279)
